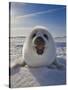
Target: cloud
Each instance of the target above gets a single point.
(37, 13)
(20, 31)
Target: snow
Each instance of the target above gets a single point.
(41, 76)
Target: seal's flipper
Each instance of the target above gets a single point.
(58, 65)
(23, 64)
(51, 66)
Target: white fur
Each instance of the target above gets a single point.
(29, 54)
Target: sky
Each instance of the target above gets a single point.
(25, 16)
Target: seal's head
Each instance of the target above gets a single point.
(40, 40)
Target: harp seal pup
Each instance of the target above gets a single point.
(39, 49)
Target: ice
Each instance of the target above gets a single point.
(31, 77)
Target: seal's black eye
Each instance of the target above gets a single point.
(33, 35)
(46, 36)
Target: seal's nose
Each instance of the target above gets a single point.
(39, 40)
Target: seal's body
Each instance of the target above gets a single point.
(39, 48)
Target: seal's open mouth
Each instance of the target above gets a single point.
(39, 45)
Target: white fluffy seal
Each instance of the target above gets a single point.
(39, 48)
